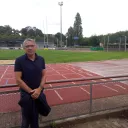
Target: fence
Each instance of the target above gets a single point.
(94, 102)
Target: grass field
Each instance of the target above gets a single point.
(58, 56)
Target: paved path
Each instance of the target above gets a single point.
(7, 61)
(105, 68)
(102, 123)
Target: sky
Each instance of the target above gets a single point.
(98, 16)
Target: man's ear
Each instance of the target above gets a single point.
(36, 46)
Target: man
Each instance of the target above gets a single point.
(30, 76)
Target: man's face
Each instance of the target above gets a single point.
(30, 47)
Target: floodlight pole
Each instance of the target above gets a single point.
(66, 41)
(104, 42)
(107, 43)
(125, 42)
(119, 43)
(44, 33)
(57, 42)
(60, 4)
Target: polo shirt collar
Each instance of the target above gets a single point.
(36, 57)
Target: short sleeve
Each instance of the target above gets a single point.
(17, 66)
(43, 65)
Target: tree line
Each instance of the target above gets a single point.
(73, 37)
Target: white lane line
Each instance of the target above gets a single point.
(58, 72)
(70, 66)
(110, 88)
(50, 85)
(58, 95)
(114, 85)
(4, 73)
(9, 78)
(61, 74)
(103, 80)
(74, 72)
(56, 92)
(80, 70)
(73, 82)
(84, 90)
(93, 80)
(119, 86)
(60, 88)
(89, 74)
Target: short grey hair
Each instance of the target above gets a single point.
(28, 39)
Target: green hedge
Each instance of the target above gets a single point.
(96, 48)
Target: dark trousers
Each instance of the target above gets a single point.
(29, 111)
(31, 120)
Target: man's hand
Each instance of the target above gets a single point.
(35, 93)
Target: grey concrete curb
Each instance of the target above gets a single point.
(86, 118)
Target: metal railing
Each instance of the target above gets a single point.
(90, 103)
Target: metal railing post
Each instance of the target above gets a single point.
(90, 111)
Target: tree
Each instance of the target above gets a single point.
(6, 30)
(78, 30)
(31, 31)
(39, 32)
(24, 31)
(94, 41)
(58, 35)
(70, 35)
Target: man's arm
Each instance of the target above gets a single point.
(21, 83)
(43, 80)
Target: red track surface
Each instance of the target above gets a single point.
(8, 102)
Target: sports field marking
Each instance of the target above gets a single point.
(114, 85)
(103, 80)
(74, 72)
(110, 88)
(58, 94)
(96, 73)
(85, 90)
(4, 72)
(80, 70)
(93, 80)
(50, 85)
(58, 72)
(119, 86)
(85, 72)
(89, 74)
(8, 78)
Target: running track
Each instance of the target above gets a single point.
(8, 102)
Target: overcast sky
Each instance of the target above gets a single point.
(98, 16)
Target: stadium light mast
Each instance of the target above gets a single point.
(44, 33)
(125, 43)
(120, 44)
(107, 43)
(60, 4)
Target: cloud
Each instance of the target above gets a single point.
(98, 16)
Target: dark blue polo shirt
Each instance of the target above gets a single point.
(31, 70)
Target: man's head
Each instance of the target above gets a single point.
(29, 46)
